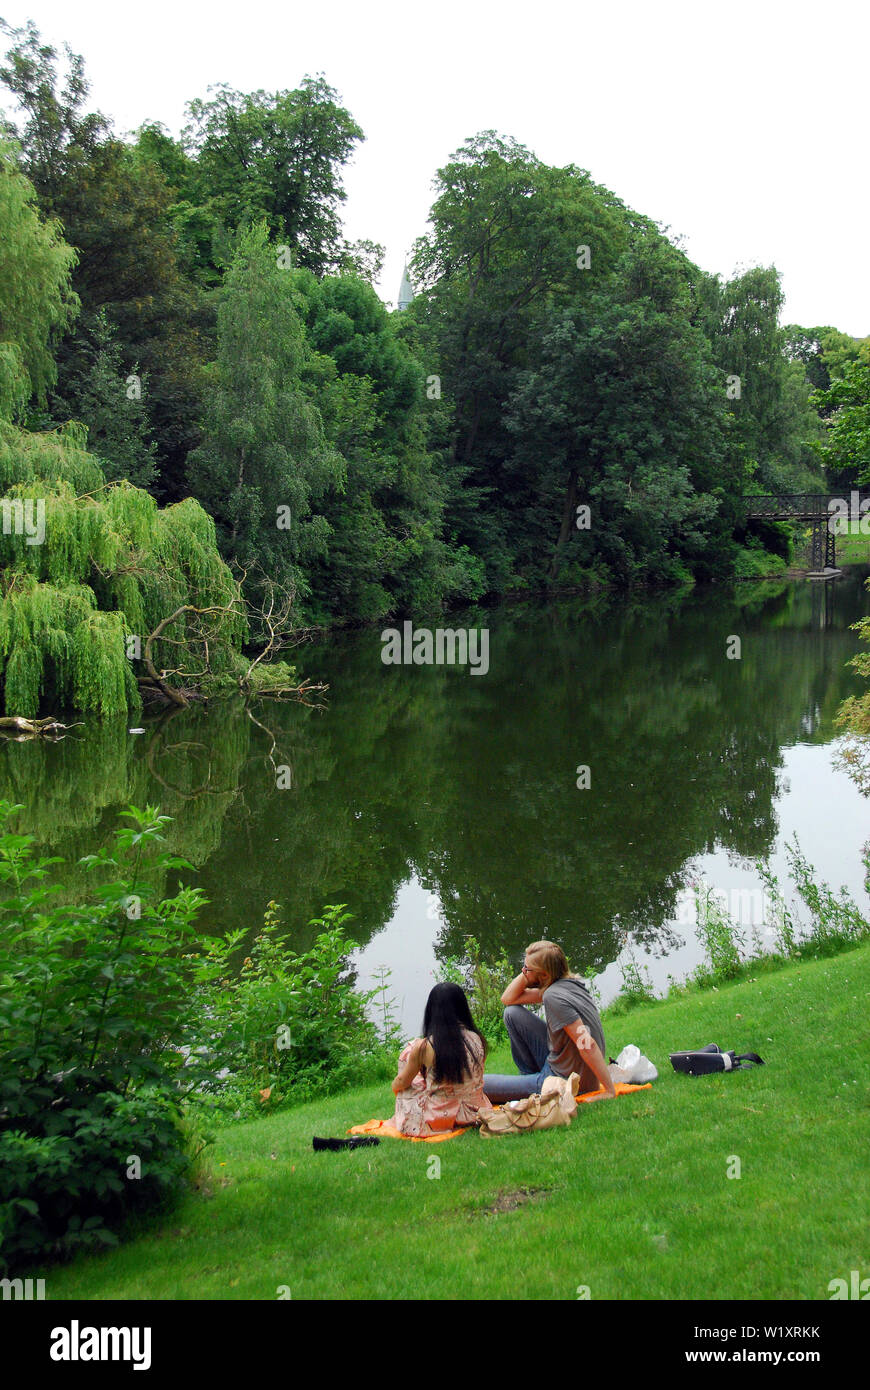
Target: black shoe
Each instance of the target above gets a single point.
(357, 1141)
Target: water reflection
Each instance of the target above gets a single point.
(464, 791)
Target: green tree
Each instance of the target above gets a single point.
(115, 210)
(276, 156)
(36, 298)
(385, 551)
(264, 469)
(845, 452)
(108, 566)
(503, 250)
(57, 138)
(825, 352)
(112, 403)
(622, 412)
(742, 321)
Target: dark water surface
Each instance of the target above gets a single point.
(438, 804)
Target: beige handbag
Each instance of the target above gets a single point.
(554, 1106)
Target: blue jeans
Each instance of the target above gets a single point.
(529, 1050)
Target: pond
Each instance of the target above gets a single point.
(438, 802)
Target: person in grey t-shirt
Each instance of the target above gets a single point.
(571, 1039)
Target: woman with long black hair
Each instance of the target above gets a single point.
(439, 1085)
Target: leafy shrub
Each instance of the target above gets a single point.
(289, 1026)
(754, 562)
(76, 1161)
(835, 919)
(95, 1009)
(719, 936)
(637, 988)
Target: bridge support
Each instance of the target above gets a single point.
(823, 546)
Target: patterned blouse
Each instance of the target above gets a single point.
(430, 1107)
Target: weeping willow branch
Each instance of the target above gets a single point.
(112, 574)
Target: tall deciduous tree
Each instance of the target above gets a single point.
(771, 415)
(621, 414)
(386, 551)
(264, 469)
(511, 238)
(36, 298)
(276, 156)
(114, 208)
(845, 451)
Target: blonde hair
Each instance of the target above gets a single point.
(549, 959)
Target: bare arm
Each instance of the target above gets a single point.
(586, 1044)
(410, 1067)
(518, 993)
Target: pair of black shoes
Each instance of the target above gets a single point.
(706, 1060)
(357, 1141)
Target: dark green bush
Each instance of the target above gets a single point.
(97, 1018)
(76, 1160)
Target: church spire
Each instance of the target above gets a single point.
(406, 293)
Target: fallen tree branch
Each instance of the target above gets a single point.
(34, 728)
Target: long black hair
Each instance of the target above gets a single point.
(447, 1013)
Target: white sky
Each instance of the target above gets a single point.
(740, 126)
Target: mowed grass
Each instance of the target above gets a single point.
(632, 1201)
(853, 550)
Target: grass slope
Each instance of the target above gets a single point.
(631, 1201)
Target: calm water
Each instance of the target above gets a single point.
(437, 804)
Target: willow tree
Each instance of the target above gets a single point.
(102, 591)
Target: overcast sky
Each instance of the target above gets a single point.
(740, 126)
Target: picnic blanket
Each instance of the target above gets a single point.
(385, 1130)
(621, 1088)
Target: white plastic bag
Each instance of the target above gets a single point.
(633, 1067)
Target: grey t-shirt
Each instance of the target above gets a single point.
(565, 1001)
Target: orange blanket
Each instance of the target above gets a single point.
(621, 1088)
(385, 1130)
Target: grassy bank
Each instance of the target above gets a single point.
(632, 1201)
(853, 550)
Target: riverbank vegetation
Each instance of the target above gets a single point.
(126, 1037)
(640, 1198)
(199, 382)
(123, 1033)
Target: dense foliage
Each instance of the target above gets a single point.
(569, 401)
(120, 1032)
(111, 569)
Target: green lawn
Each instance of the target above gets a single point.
(853, 550)
(632, 1201)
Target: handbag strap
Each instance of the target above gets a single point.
(524, 1119)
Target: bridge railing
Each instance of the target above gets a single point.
(808, 506)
